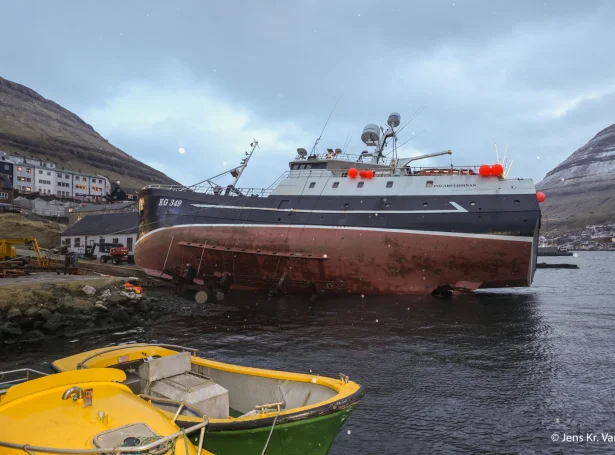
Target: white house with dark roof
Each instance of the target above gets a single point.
(102, 228)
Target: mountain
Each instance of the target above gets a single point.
(581, 190)
(35, 127)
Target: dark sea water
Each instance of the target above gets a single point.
(498, 372)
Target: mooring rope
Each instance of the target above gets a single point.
(271, 432)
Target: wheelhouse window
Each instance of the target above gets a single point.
(360, 184)
(336, 184)
(389, 184)
(312, 185)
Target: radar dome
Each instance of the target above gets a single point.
(371, 134)
(394, 120)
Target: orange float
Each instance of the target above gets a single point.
(497, 170)
(484, 170)
(363, 173)
(353, 172)
(541, 196)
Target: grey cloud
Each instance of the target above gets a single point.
(486, 71)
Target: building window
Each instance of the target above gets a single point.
(77, 242)
(129, 243)
(67, 242)
(312, 185)
(29, 170)
(48, 173)
(389, 184)
(76, 178)
(4, 195)
(116, 241)
(20, 168)
(40, 172)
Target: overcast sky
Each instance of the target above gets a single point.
(209, 75)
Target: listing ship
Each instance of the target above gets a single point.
(335, 223)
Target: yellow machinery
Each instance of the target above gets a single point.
(8, 252)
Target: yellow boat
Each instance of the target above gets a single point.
(249, 409)
(85, 411)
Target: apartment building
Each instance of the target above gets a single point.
(32, 175)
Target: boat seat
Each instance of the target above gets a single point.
(171, 377)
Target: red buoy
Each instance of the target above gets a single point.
(363, 173)
(484, 170)
(353, 172)
(541, 196)
(370, 174)
(497, 170)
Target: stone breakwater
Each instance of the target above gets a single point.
(31, 313)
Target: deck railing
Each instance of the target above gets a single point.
(15, 377)
(303, 173)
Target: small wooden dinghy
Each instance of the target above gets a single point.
(249, 409)
(86, 411)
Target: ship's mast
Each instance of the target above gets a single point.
(373, 135)
(244, 163)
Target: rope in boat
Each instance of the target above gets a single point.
(170, 449)
(271, 432)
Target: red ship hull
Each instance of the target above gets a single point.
(337, 260)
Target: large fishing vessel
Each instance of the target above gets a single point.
(334, 223)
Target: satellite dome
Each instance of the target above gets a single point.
(371, 134)
(394, 120)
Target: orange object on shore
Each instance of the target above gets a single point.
(133, 287)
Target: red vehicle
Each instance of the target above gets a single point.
(117, 255)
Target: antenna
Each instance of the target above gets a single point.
(507, 170)
(324, 127)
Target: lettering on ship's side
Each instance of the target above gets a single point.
(455, 185)
(164, 202)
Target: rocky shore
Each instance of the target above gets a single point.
(32, 313)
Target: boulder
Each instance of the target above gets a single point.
(116, 299)
(54, 323)
(89, 290)
(121, 315)
(11, 330)
(45, 314)
(82, 304)
(13, 313)
(100, 306)
(23, 306)
(33, 312)
(143, 306)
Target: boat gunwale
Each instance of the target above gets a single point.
(330, 406)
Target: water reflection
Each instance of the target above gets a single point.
(494, 372)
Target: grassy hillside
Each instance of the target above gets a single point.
(35, 127)
(16, 226)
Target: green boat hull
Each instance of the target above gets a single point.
(306, 437)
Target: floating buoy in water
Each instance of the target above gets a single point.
(353, 172)
(370, 174)
(541, 196)
(363, 173)
(497, 170)
(484, 170)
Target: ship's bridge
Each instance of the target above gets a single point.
(335, 160)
